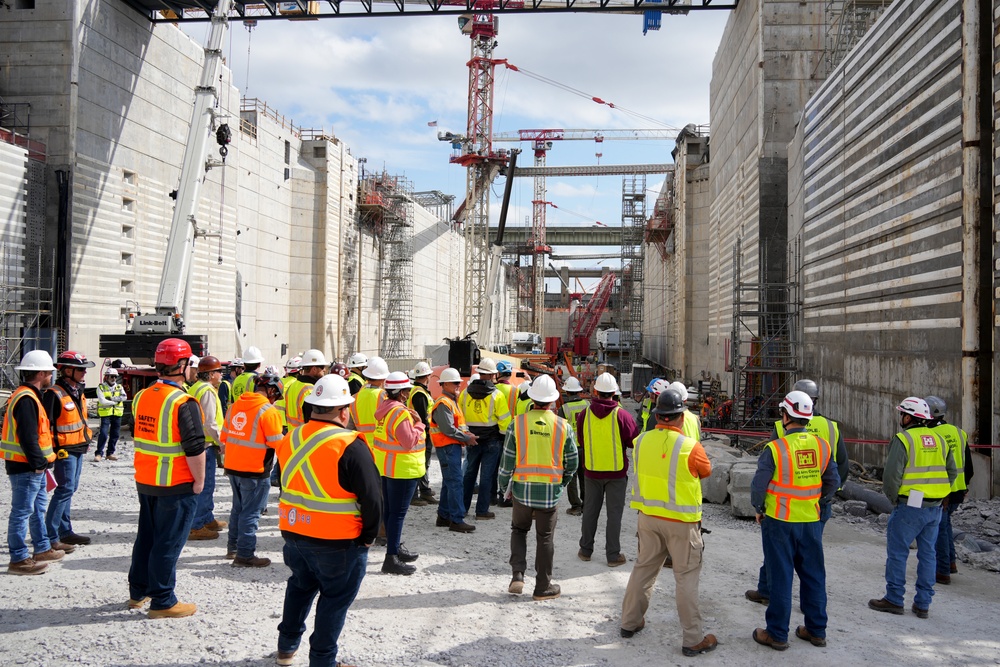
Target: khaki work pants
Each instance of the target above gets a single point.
(657, 538)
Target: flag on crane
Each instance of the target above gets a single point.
(432, 123)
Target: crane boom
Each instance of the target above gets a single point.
(657, 134)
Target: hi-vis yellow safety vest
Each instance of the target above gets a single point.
(507, 390)
(663, 484)
(363, 409)
(281, 404)
(244, 382)
(603, 447)
(572, 408)
(485, 412)
(692, 426)
(295, 396)
(647, 411)
(540, 436)
(111, 392)
(392, 459)
(797, 483)
(198, 390)
(523, 405)
(819, 426)
(926, 463)
(956, 439)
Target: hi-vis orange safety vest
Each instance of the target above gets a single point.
(12, 450)
(159, 458)
(71, 426)
(391, 458)
(796, 485)
(313, 503)
(363, 409)
(540, 436)
(252, 425)
(439, 439)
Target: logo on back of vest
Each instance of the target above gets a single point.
(805, 459)
(928, 442)
(239, 420)
(291, 516)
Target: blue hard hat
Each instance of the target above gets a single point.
(649, 387)
(504, 367)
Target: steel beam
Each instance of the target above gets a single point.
(564, 236)
(595, 170)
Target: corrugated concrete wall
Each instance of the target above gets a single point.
(13, 207)
(881, 226)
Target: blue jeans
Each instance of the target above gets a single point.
(825, 512)
(110, 427)
(249, 496)
(333, 572)
(57, 519)
(205, 513)
(481, 460)
(450, 506)
(945, 546)
(28, 500)
(905, 525)
(396, 497)
(164, 524)
(789, 549)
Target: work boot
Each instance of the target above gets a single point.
(203, 534)
(216, 525)
(754, 596)
(392, 565)
(884, 605)
(621, 560)
(112, 457)
(954, 567)
(406, 555)
(628, 634)
(461, 527)
(285, 659)
(252, 561)
(704, 646)
(50, 555)
(582, 556)
(230, 555)
(482, 516)
(442, 522)
(429, 497)
(179, 610)
(550, 593)
(802, 633)
(62, 546)
(74, 539)
(506, 503)
(919, 612)
(575, 510)
(761, 636)
(943, 578)
(417, 501)
(27, 566)
(137, 604)
(516, 586)
(668, 562)
(97, 458)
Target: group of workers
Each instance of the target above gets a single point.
(349, 445)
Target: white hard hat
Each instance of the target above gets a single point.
(112, 372)
(573, 386)
(312, 357)
(357, 360)
(377, 369)
(236, 362)
(422, 369)
(798, 405)
(272, 370)
(487, 367)
(397, 380)
(474, 377)
(36, 360)
(330, 391)
(659, 386)
(253, 356)
(449, 375)
(914, 406)
(606, 383)
(543, 389)
(293, 363)
(683, 391)
(194, 361)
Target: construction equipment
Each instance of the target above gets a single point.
(587, 318)
(496, 253)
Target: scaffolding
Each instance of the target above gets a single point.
(25, 309)
(765, 344)
(630, 286)
(386, 205)
(847, 21)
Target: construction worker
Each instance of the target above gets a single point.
(485, 411)
(205, 391)
(828, 430)
(958, 443)
(919, 471)
(505, 371)
(574, 404)
(231, 372)
(291, 370)
(169, 474)
(539, 459)
(330, 508)
(340, 369)
(398, 448)
(251, 432)
(111, 399)
(368, 398)
(449, 434)
(191, 374)
(420, 401)
(312, 367)
(657, 387)
(252, 361)
(795, 475)
(356, 365)
(669, 467)
(647, 404)
(604, 433)
(28, 453)
(523, 401)
(67, 411)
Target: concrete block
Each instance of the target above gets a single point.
(856, 507)
(740, 476)
(715, 488)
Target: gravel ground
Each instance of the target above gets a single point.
(455, 610)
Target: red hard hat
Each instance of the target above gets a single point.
(170, 351)
(72, 359)
(340, 369)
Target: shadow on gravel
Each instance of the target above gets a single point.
(247, 662)
(438, 600)
(21, 620)
(548, 652)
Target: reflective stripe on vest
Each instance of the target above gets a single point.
(692, 426)
(439, 439)
(417, 390)
(9, 443)
(111, 392)
(523, 405)
(70, 427)
(820, 426)
(607, 457)
(281, 403)
(246, 452)
(312, 501)
(294, 398)
(393, 460)
(198, 390)
(363, 409)
(797, 483)
(926, 463)
(540, 436)
(485, 412)
(244, 382)
(957, 440)
(506, 390)
(663, 485)
(572, 409)
(159, 457)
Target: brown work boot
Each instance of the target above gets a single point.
(954, 567)
(621, 560)
(418, 502)
(285, 659)
(112, 457)
(628, 634)
(179, 610)
(62, 546)
(442, 522)
(582, 556)
(27, 566)
(50, 555)
(230, 555)
(550, 593)
(919, 612)
(754, 596)
(75, 539)
(802, 633)
(575, 510)
(761, 636)
(216, 525)
(704, 646)
(516, 584)
(480, 516)
(97, 458)
(137, 604)
(203, 534)
(884, 605)
(461, 527)
(943, 578)
(252, 561)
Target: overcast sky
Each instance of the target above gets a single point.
(377, 82)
